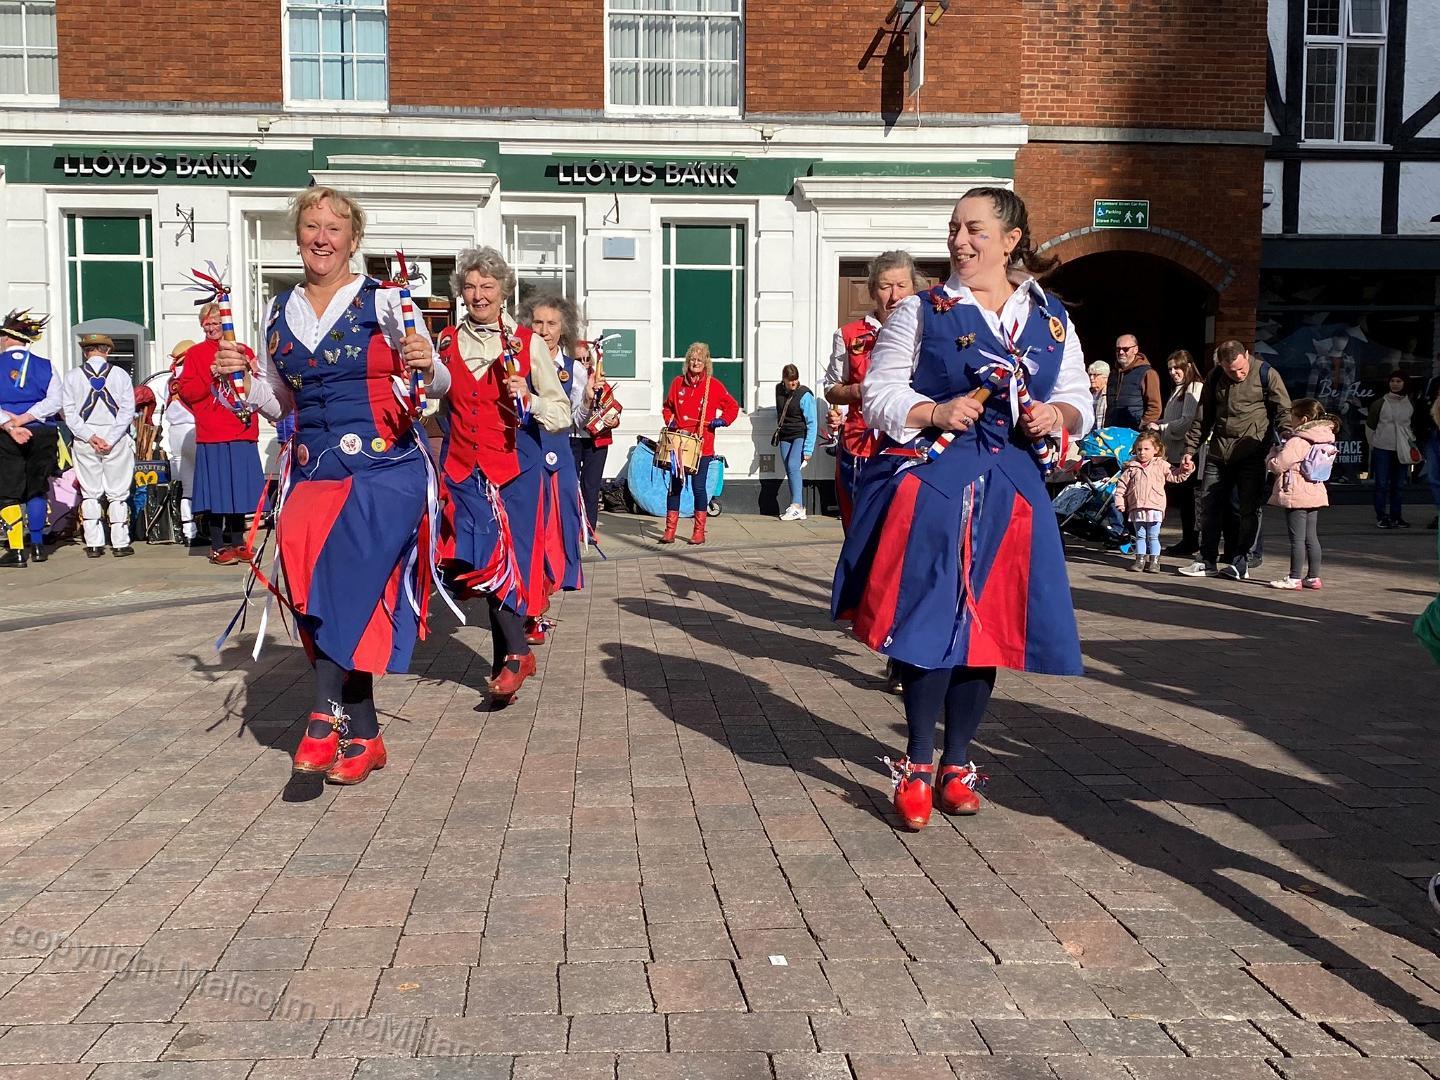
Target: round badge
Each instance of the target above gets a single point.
(1057, 328)
(444, 343)
(350, 443)
(378, 445)
(302, 454)
(551, 458)
(274, 342)
(564, 375)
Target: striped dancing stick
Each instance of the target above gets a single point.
(1008, 371)
(403, 277)
(512, 368)
(233, 391)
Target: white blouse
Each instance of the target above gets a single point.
(888, 395)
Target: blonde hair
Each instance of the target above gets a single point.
(209, 309)
(341, 205)
(702, 350)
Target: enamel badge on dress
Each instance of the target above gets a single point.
(378, 445)
(564, 375)
(551, 458)
(274, 342)
(1057, 328)
(350, 443)
(302, 455)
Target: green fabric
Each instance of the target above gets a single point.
(1427, 626)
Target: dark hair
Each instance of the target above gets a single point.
(1308, 410)
(1228, 351)
(1181, 358)
(1397, 374)
(1010, 209)
(789, 371)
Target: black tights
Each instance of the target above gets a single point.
(961, 693)
(226, 530)
(354, 691)
(507, 634)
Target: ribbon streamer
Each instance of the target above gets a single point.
(233, 391)
(405, 275)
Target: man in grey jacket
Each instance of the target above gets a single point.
(1242, 404)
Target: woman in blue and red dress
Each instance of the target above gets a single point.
(555, 320)
(353, 530)
(953, 564)
(493, 463)
(228, 478)
(694, 389)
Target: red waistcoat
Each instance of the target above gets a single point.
(482, 413)
(856, 436)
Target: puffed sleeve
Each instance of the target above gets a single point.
(839, 368)
(1072, 385)
(270, 394)
(550, 403)
(887, 393)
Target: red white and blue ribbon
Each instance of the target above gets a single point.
(405, 275)
(512, 369)
(1008, 374)
(231, 391)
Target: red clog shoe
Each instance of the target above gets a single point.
(506, 685)
(354, 769)
(536, 630)
(317, 755)
(913, 796)
(957, 788)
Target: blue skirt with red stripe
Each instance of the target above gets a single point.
(563, 516)
(496, 545)
(958, 561)
(349, 531)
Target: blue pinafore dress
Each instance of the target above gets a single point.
(353, 529)
(958, 560)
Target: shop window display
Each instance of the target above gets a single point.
(1337, 335)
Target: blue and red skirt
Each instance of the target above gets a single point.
(492, 539)
(351, 533)
(564, 518)
(958, 561)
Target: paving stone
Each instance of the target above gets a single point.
(868, 988)
(241, 1039)
(132, 1042)
(1300, 1038)
(46, 1043)
(1050, 992)
(1028, 1037)
(604, 988)
(1125, 1038)
(175, 1070)
(1003, 1067)
(50, 999)
(1222, 993)
(617, 1032)
(504, 989)
(1389, 1039)
(483, 1067)
(803, 1066)
(421, 991)
(569, 1066)
(767, 1032)
(498, 1034)
(1219, 1038)
(899, 1067)
(945, 1035)
(694, 986)
(797, 987)
(972, 990)
(1316, 994)
(701, 1066)
(1200, 1069)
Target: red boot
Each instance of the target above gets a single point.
(354, 769)
(913, 796)
(672, 522)
(317, 755)
(535, 630)
(698, 536)
(957, 788)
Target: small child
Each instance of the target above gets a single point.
(1140, 495)
(1302, 464)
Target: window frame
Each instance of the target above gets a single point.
(75, 295)
(742, 249)
(630, 7)
(1341, 43)
(299, 104)
(29, 97)
(512, 218)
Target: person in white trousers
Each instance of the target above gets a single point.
(99, 403)
(177, 433)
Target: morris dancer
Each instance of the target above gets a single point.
(557, 323)
(892, 278)
(505, 391)
(353, 524)
(177, 432)
(695, 390)
(597, 414)
(99, 403)
(29, 440)
(1005, 602)
(228, 477)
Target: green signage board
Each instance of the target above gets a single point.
(619, 354)
(238, 167)
(1122, 214)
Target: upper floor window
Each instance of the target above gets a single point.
(338, 51)
(1344, 69)
(674, 55)
(28, 58)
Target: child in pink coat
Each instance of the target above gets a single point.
(1300, 490)
(1140, 495)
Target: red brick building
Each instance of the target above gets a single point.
(722, 174)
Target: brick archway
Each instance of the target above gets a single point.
(1168, 244)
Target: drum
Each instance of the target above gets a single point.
(679, 445)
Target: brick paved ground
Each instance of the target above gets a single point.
(671, 859)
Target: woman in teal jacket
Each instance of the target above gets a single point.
(794, 435)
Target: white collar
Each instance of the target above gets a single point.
(103, 369)
(1027, 286)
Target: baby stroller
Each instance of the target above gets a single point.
(649, 484)
(1086, 509)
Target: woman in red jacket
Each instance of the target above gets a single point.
(228, 480)
(691, 391)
